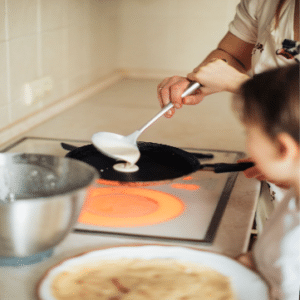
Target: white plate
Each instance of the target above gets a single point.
(247, 284)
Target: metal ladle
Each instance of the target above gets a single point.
(125, 148)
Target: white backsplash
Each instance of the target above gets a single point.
(73, 41)
(78, 42)
(173, 35)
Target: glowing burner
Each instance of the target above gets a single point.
(131, 184)
(129, 207)
(120, 205)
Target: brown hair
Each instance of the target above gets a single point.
(278, 10)
(272, 100)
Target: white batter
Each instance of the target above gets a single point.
(118, 147)
(126, 167)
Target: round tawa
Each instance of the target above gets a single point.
(157, 162)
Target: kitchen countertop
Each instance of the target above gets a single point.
(128, 104)
(123, 108)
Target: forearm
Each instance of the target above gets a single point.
(222, 54)
(214, 77)
(237, 52)
(217, 75)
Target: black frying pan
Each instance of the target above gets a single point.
(157, 162)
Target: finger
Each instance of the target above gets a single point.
(163, 83)
(252, 172)
(170, 113)
(193, 99)
(207, 90)
(165, 91)
(247, 159)
(159, 90)
(176, 91)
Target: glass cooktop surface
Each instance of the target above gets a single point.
(187, 209)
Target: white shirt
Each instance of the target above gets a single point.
(277, 250)
(254, 23)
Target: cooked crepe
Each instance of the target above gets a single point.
(128, 279)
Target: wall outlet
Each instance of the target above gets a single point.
(36, 90)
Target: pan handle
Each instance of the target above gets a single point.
(68, 146)
(223, 167)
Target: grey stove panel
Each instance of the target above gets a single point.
(204, 207)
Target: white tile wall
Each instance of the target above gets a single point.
(54, 14)
(171, 34)
(77, 42)
(3, 77)
(2, 20)
(22, 18)
(22, 63)
(69, 40)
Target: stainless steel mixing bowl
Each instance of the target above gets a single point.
(40, 201)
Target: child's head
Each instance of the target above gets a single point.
(270, 113)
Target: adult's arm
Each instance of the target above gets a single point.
(234, 50)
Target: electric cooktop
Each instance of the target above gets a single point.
(187, 209)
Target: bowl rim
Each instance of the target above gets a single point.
(94, 172)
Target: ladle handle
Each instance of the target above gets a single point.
(193, 86)
(163, 111)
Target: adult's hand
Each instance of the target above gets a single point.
(216, 76)
(171, 89)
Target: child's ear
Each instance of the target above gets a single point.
(286, 160)
(288, 148)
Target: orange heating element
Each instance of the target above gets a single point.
(129, 207)
(188, 187)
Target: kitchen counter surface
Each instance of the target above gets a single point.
(128, 104)
(123, 108)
